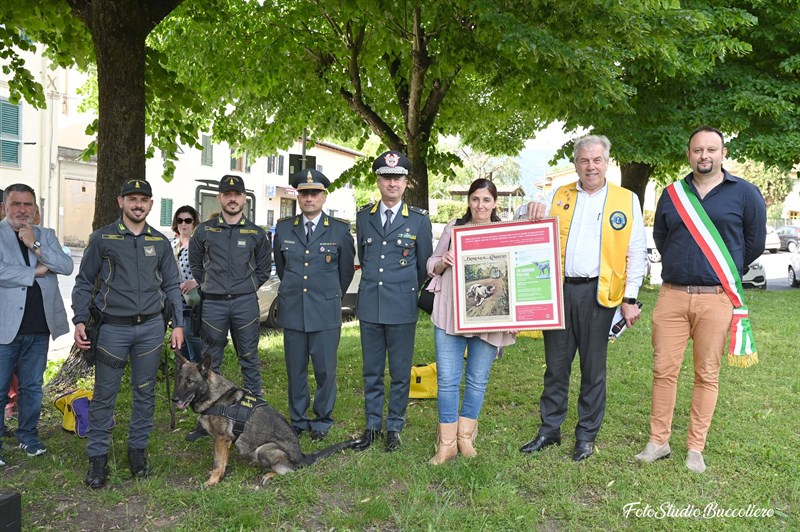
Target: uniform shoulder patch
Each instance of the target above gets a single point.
(365, 207)
(418, 210)
(341, 221)
(286, 218)
(113, 237)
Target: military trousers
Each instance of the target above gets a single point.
(379, 341)
(143, 344)
(240, 317)
(322, 348)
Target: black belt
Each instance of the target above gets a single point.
(129, 320)
(223, 297)
(579, 280)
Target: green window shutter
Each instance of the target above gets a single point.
(207, 155)
(166, 212)
(280, 164)
(9, 134)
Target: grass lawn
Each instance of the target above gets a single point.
(752, 454)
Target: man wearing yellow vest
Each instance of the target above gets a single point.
(604, 260)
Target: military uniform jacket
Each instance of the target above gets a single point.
(314, 276)
(134, 274)
(393, 266)
(229, 259)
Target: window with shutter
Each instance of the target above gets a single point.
(207, 155)
(10, 141)
(166, 212)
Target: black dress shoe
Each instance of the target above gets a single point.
(297, 431)
(583, 450)
(392, 441)
(366, 439)
(317, 435)
(539, 443)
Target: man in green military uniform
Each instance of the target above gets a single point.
(314, 257)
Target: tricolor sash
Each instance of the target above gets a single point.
(742, 350)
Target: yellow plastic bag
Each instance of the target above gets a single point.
(423, 381)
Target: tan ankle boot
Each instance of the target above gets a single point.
(467, 431)
(446, 449)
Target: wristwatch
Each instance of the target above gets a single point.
(36, 245)
(629, 300)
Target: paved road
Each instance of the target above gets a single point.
(776, 266)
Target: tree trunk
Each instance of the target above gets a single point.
(635, 177)
(417, 190)
(73, 369)
(119, 30)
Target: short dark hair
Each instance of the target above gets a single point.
(477, 185)
(18, 187)
(706, 129)
(188, 209)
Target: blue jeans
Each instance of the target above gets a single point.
(193, 344)
(27, 356)
(449, 365)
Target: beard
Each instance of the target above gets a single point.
(232, 209)
(135, 216)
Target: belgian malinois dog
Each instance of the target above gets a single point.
(231, 415)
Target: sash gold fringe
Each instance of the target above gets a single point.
(743, 361)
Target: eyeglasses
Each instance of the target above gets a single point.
(184, 220)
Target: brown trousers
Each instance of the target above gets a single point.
(678, 316)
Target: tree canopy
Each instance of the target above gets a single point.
(493, 72)
(740, 75)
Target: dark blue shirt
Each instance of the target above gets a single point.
(739, 213)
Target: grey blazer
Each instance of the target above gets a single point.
(16, 276)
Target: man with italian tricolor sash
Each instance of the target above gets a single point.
(708, 227)
(604, 260)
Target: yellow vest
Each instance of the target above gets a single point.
(614, 237)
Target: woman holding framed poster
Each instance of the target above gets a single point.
(457, 432)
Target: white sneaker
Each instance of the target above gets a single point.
(653, 452)
(695, 462)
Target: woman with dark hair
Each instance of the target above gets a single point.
(457, 431)
(184, 221)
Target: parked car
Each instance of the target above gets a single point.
(652, 252)
(754, 276)
(794, 269)
(268, 297)
(773, 241)
(789, 236)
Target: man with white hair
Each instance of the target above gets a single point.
(604, 259)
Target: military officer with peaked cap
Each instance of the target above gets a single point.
(315, 259)
(230, 257)
(126, 272)
(394, 243)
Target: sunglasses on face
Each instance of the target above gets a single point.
(184, 220)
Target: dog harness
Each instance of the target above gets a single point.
(238, 413)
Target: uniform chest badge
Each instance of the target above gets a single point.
(149, 251)
(327, 258)
(403, 262)
(369, 240)
(618, 220)
(405, 253)
(241, 243)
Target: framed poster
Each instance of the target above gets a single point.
(507, 276)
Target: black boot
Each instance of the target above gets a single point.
(98, 472)
(197, 433)
(137, 458)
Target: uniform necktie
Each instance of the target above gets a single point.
(309, 230)
(388, 221)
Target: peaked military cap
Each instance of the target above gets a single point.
(136, 186)
(231, 183)
(391, 163)
(309, 179)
